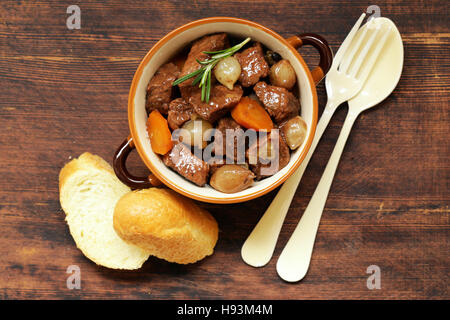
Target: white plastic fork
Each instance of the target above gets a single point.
(342, 83)
(294, 260)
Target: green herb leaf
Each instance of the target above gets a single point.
(205, 62)
(203, 74)
(197, 79)
(203, 92)
(208, 88)
(215, 52)
(186, 77)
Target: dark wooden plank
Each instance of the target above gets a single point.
(64, 92)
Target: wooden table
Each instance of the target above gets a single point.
(65, 91)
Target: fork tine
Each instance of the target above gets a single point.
(364, 52)
(349, 57)
(368, 65)
(346, 43)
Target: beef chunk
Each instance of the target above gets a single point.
(253, 65)
(263, 157)
(279, 102)
(159, 89)
(227, 126)
(181, 159)
(221, 101)
(180, 111)
(213, 42)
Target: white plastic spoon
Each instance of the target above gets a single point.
(260, 244)
(294, 260)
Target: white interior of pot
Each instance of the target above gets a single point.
(180, 41)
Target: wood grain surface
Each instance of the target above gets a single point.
(65, 91)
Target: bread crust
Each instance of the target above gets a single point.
(85, 160)
(166, 224)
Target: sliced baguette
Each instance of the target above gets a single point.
(89, 191)
(166, 224)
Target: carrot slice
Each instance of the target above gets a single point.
(251, 115)
(159, 133)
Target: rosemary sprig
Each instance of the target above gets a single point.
(186, 77)
(203, 74)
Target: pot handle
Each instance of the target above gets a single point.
(318, 42)
(120, 158)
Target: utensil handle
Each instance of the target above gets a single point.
(260, 244)
(321, 45)
(119, 165)
(294, 260)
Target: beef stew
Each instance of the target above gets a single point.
(248, 124)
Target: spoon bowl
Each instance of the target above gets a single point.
(389, 62)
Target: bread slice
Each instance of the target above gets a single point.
(89, 191)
